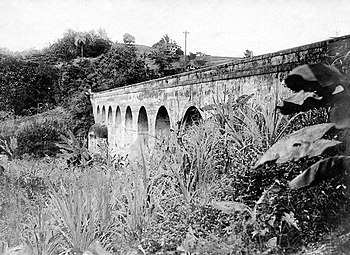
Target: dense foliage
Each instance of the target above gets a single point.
(83, 44)
(38, 139)
(120, 66)
(167, 55)
(34, 81)
(26, 86)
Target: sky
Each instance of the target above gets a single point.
(216, 27)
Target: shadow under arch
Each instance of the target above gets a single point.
(98, 117)
(109, 115)
(103, 117)
(192, 117)
(128, 126)
(118, 126)
(142, 126)
(162, 126)
(118, 117)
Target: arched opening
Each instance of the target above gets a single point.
(103, 117)
(142, 126)
(118, 117)
(162, 127)
(192, 117)
(98, 117)
(118, 125)
(109, 116)
(128, 126)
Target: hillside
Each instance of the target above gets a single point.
(210, 60)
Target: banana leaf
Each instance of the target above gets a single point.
(317, 85)
(304, 142)
(322, 170)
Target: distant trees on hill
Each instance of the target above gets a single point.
(83, 44)
(120, 66)
(61, 74)
(166, 55)
(128, 39)
(26, 85)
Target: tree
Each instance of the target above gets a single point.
(26, 85)
(84, 44)
(120, 66)
(167, 56)
(197, 60)
(80, 40)
(248, 54)
(128, 39)
(63, 49)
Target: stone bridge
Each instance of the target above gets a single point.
(141, 112)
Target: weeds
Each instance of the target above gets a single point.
(165, 203)
(83, 210)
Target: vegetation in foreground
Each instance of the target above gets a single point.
(206, 190)
(198, 194)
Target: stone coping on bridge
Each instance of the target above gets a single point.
(283, 60)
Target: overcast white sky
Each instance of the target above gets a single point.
(217, 27)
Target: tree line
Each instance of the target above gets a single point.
(36, 80)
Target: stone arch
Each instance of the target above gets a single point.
(118, 126)
(98, 117)
(162, 126)
(118, 117)
(192, 116)
(142, 126)
(103, 115)
(128, 126)
(109, 116)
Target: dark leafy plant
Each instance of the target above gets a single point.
(73, 150)
(38, 139)
(167, 56)
(322, 170)
(25, 85)
(74, 44)
(316, 85)
(118, 67)
(305, 142)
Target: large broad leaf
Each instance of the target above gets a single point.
(314, 77)
(301, 102)
(340, 112)
(305, 142)
(322, 170)
(316, 84)
(301, 96)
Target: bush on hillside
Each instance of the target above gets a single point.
(80, 110)
(38, 139)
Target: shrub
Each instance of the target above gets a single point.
(38, 139)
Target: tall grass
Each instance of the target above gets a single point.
(139, 191)
(24, 217)
(82, 208)
(41, 234)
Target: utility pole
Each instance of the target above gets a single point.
(186, 32)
